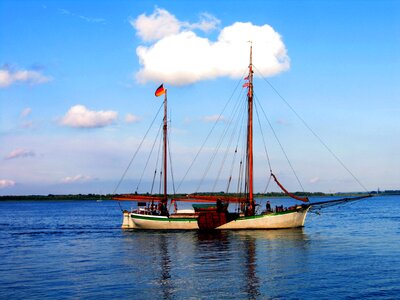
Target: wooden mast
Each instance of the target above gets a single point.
(165, 131)
(251, 207)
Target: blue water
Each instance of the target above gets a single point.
(64, 250)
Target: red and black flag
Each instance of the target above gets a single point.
(160, 91)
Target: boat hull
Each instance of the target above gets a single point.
(287, 219)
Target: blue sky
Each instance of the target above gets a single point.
(76, 94)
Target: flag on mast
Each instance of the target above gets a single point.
(160, 90)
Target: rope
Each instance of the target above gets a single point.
(218, 146)
(268, 182)
(137, 150)
(148, 159)
(228, 147)
(263, 139)
(281, 146)
(156, 166)
(209, 134)
(313, 132)
(304, 199)
(170, 165)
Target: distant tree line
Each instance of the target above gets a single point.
(51, 197)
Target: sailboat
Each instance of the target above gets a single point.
(210, 212)
(152, 212)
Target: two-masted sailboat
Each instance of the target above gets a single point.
(153, 212)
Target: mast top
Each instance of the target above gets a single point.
(251, 53)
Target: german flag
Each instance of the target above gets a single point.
(160, 91)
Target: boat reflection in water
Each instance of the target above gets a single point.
(221, 264)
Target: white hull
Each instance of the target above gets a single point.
(289, 219)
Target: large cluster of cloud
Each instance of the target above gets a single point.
(79, 116)
(9, 77)
(177, 55)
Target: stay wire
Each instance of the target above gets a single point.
(148, 158)
(214, 155)
(263, 138)
(265, 146)
(312, 131)
(170, 164)
(281, 146)
(209, 134)
(241, 121)
(137, 150)
(235, 115)
(156, 166)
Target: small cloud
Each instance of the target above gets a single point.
(187, 120)
(76, 179)
(9, 77)
(213, 118)
(5, 183)
(28, 124)
(82, 17)
(129, 118)
(314, 180)
(26, 112)
(20, 153)
(79, 116)
(207, 23)
(282, 122)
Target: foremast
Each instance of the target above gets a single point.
(164, 202)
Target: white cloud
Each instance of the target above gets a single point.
(314, 180)
(161, 24)
(26, 112)
(156, 26)
(79, 116)
(4, 183)
(18, 153)
(207, 23)
(179, 56)
(76, 178)
(213, 118)
(8, 77)
(129, 118)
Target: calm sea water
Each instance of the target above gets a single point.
(63, 250)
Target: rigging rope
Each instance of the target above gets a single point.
(304, 199)
(228, 147)
(170, 165)
(209, 134)
(137, 150)
(281, 146)
(148, 159)
(263, 139)
(268, 182)
(156, 166)
(312, 131)
(236, 108)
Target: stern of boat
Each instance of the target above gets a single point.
(127, 222)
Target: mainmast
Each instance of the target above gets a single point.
(251, 207)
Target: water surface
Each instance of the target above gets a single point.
(76, 249)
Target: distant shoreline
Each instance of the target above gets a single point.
(96, 197)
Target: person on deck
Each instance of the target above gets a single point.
(268, 206)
